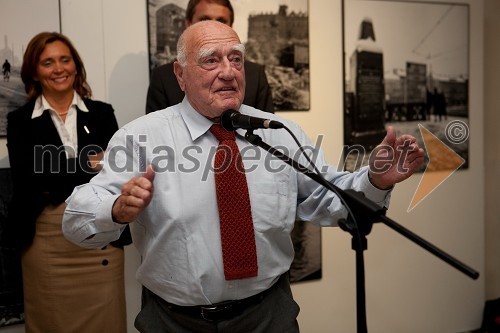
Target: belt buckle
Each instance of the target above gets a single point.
(206, 310)
(216, 312)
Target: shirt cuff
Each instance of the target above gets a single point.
(380, 197)
(104, 217)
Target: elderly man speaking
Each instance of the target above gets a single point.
(211, 214)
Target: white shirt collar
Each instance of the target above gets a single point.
(41, 105)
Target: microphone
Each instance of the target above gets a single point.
(232, 119)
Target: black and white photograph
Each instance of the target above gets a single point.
(15, 34)
(11, 293)
(306, 265)
(275, 34)
(405, 64)
(19, 22)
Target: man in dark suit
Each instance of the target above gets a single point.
(164, 89)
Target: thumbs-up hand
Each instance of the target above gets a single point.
(136, 196)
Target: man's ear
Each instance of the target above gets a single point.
(179, 71)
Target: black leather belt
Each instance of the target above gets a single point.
(223, 310)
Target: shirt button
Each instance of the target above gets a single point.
(105, 262)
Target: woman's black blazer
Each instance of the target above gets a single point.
(41, 173)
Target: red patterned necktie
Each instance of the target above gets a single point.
(236, 226)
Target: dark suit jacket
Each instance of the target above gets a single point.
(164, 90)
(41, 173)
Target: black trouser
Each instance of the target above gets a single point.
(274, 311)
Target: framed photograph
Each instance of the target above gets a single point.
(306, 265)
(275, 35)
(406, 64)
(15, 36)
(16, 33)
(11, 293)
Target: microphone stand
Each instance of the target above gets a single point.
(367, 211)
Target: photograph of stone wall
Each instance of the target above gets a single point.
(275, 34)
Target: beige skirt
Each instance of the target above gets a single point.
(68, 288)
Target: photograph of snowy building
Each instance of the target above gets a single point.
(275, 34)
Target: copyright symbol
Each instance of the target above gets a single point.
(457, 131)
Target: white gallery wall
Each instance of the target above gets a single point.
(407, 288)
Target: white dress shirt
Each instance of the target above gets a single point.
(178, 234)
(66, 129)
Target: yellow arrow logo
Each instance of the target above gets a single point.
(443, 162)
